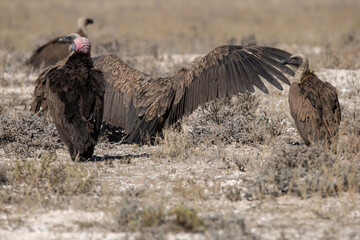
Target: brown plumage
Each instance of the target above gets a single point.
(54, 51)
(73, 91)
(314, 105)
(143, 105)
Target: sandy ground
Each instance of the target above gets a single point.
(148, 169)
(264, 184)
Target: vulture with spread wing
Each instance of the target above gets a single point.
(314, 104)
(73, 92)
(142, 104)
(53, 51)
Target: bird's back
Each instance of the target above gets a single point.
(315, 108)
(75, 98)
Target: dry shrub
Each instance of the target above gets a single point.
(349, 143)
(12, 102)
(306, 171)
(231, 120)
(24, 135)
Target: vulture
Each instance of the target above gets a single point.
(314, 104)
(142, 104)
(53, 51)
(73, 92)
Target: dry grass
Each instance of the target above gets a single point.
(233, 169)
(307, 172)
(133, 216)
(32, 183)
(193, 165)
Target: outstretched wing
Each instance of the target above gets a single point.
(225, 71)
(49, 53)
(132, 98)
(142, 104)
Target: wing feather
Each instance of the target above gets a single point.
(242, 77)
(140, 103)
(264, 73)
(39, 103)
(252, 75)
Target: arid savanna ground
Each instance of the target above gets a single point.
(234, 169)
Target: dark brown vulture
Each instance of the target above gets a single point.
(73, 91)
(314, 104)
(53, 51)
(142, 104)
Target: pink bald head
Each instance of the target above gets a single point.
(82, 45)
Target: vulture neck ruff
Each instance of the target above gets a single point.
(303, 69)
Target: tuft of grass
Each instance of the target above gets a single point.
(188, 188)
(173, 143)
(52, 176)
(128, 216)
(152, 216)
(233, 193)
(85, 224)
(134, 216)
(32, 181)
(231, 226)
(186, 219)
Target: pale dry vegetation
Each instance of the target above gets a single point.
(233, 169)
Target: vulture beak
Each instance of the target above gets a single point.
(89, 21)
(69, 38)
(66, 39)
(285, 61)
(295, 61)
